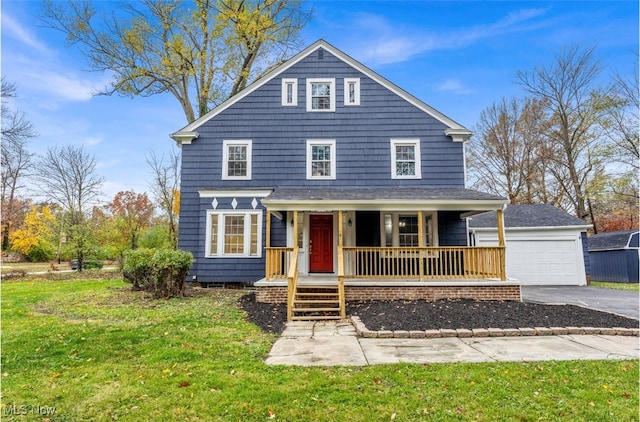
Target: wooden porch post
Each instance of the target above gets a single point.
(420, 242)
(501, 244)
(341, 296)
(267, 243)
(295, 229)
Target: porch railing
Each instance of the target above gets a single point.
(423, 263)
(278, 262)
(292, 281)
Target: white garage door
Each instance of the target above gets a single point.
(541, 259)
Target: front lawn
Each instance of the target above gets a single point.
(94, 350)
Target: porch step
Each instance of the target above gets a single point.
(314, 318)
(316, 302)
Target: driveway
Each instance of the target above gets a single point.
(619, 302)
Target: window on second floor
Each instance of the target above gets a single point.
(321, 159)
(321, 94)
(289, 92)
(405, 159)
(351, 91)
(236, 160)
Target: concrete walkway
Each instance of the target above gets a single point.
(332, 344)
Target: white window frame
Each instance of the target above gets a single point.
(332, 155)
(347, 97)
(286, 82)
(395, 231)
(222, 215)
(332, 94)
(225, 159)
(418, 163)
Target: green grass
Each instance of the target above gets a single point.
(635, 287)
(96, 351)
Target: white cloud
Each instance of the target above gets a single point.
(387, 43)
(13, 28)
(455, 86)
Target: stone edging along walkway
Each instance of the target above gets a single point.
(363, 331)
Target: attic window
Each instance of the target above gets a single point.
(321, 94)
(351, 91)
(289, 92)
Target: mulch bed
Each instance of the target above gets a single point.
(447, 314)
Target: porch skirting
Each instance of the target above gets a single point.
(276, 292)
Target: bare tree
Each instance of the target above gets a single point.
(67, 176)
(572, 102)
(201, 51)
(16, 160)
(166, 189)
(505, 154)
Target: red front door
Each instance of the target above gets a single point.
(321, 243)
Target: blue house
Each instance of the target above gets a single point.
(324, 175)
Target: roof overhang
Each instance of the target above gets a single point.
(184, 137)
(384, 199)
(539, 228)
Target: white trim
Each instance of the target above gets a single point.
(285, 95)
(229, 193)
(395, 232)
(347, 97)
(184, 138)
(222, 215)
(418, 161)
(321, 142)
(515, 229)
(319, 205)
(332, 94)
(458, 135)
(321, 44)
(225, 159)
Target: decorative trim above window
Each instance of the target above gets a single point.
(233, 234)
(321, 159)
(351, 91)
(289, 92)
(236, 160)
(405, 159)
(321, 94)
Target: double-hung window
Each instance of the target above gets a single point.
(289, 92)
(405, 159)
(351, 91)
(236, 160)
(321, 159)
(234, 234)
(321, 94)
(402, 229)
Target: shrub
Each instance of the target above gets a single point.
(161, 272)
(40, 253)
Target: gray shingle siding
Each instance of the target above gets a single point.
(452, 230)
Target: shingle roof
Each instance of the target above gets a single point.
(370, 194)
(611, 240)
(527, 215)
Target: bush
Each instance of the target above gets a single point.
(39, 253)
(161, 272)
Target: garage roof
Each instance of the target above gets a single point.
(528, 215)
(613, 240)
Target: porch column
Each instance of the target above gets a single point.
(501, 244)
(267, 240)
(420, 243)
(341, 295)
(267, 244)
(295, 229)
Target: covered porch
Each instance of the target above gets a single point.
(380, 244)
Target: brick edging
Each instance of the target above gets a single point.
(363, 331)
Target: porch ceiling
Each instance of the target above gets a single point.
(383, 199)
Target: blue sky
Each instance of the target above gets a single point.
(459, 57)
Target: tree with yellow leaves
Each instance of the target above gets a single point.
(34, 237)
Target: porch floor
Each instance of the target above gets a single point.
(332, 279)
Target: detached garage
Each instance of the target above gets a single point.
(544, 245)
(614, 256)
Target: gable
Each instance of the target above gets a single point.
(321, 50)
